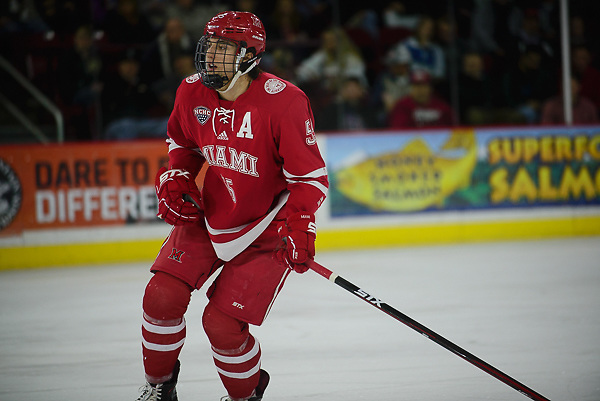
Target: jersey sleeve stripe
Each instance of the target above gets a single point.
(315, 184)
(172, 144)
(320, 172)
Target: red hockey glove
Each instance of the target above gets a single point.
(298, 234)
(171, 185)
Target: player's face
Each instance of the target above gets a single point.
(421, 92)
(220, 57)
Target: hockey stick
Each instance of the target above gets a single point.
(430, 334)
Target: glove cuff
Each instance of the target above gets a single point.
(302, 221)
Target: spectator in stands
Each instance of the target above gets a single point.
(321, 74)
(20, 17)
(581, 64)
(126, 24)
(366, 20)
(64, 17)
(527, 85)
(584, 111)
(453, 47)
(280, 61)
(350, 111)
(154, 11)
(165, 88)
(494, 25)
(393, 83)
(549, 15)
(421, 108)
(446, 36)
(529, 33)
(79, 69)
(157, 62)
(285, 22)
(395, 15)
(425, 54)
(129, 106)
(80, 83)
(316, 15)
(477, 90)
(194, 14)
(462, 19)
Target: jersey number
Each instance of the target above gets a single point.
(229, 184)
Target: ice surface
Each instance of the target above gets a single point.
(531, 309)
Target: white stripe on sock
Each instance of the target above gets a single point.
(242, 375)
(153, 328)
(163, 347)
(238, 359)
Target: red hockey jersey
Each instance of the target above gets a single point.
(262, 155)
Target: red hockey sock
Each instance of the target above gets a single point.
(236, 352)
(163, 329)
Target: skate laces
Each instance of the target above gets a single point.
(252, 397)
(146, 392)
(150, 392)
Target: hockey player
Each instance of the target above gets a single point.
(254, 215)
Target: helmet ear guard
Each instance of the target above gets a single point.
(246, 66)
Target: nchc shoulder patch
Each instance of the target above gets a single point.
(273, 86)
(202, 114)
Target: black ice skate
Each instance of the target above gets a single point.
(263, 381)
(161, 392)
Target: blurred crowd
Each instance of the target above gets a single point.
(113, 66)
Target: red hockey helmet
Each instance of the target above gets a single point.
(243, 29)
(239, 26)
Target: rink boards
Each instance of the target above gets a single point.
(94, 203)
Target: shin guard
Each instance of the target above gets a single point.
(236, 353)
(163, 329)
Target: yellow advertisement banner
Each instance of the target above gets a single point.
(412, 178)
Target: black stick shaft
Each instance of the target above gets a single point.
(430, 334)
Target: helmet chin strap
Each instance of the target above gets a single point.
(239, 73)
(236, 77)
